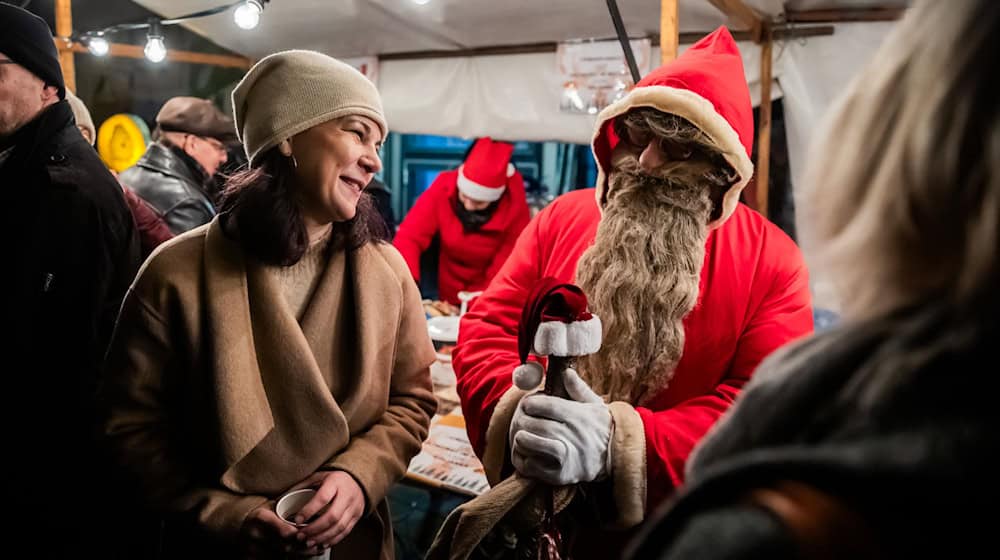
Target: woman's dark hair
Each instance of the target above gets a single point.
(258, 207)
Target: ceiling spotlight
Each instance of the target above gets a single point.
(421, 2)
(97, 44)
(155, 50)
(247, 14)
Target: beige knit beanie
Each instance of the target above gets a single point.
(291, 91)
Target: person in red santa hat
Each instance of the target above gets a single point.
(692, 287)
(477, 211)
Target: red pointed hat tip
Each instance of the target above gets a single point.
(487, 162)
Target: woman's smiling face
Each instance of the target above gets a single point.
(335, 161)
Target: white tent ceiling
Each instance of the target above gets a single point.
(516, 97)
(346, 28)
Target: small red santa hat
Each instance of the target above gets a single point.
(484, 174)
(554, 322)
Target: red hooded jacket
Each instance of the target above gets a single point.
(754, 294)
(468, 261)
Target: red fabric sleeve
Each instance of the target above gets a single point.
(783, 314)
(153, 230)
(486, 353)
(420, 226)
(521, 217)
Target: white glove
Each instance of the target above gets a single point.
(561, 441)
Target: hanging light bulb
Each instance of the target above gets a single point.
(247, 14)
(98, 45)
(155, 50)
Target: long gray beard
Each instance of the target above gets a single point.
(641, 278)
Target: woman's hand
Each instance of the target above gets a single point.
(332, 513)
(264, 533)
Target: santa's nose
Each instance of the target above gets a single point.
(652, 157)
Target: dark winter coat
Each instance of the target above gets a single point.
(173, 183)
(71, 253)
(870, 441)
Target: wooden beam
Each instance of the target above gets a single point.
(136, 51)
(669, 31)
(780, 32)
(738, 10)
(764, 135)
(845, 15)
(64, 28)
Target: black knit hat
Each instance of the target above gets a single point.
(26, 39)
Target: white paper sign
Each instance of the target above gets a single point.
(594, 74)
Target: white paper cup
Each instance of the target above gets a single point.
(290, 504)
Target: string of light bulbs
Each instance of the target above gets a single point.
(246, 15)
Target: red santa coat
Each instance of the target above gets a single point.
(754, 299)
(468, 261)
(754, 295)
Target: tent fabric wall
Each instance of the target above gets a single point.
(514, 97)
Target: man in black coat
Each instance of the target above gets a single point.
(175, 175)
(71, 252)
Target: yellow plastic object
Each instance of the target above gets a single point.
(121, 140)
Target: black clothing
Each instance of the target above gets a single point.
(891, 418)
(72, 252)
(174, 184)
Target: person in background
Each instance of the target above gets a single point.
(877, 438)
(72, 251)
(175, 174)
(382, 199)
(692, 289)
(283, 345)
(152, 229)
(476, 211)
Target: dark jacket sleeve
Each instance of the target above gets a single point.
(187, 215)
(737, 532)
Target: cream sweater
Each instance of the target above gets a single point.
(298, 281)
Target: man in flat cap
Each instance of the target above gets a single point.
(70, 252)
(175, 173)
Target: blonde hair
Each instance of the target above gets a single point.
(902, 199)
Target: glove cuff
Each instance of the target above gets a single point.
(627, 454)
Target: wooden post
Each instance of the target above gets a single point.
(64, 28)
(669, 31)
(764, 135)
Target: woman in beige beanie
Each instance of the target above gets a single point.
(282, 345)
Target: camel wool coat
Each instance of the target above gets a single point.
(218, 400)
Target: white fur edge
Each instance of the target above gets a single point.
(495, 451)
(700, 111)
(579, 338)
(628, 465)
(477, 191)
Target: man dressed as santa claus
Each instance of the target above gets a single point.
(692, 289)
(476, 212)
